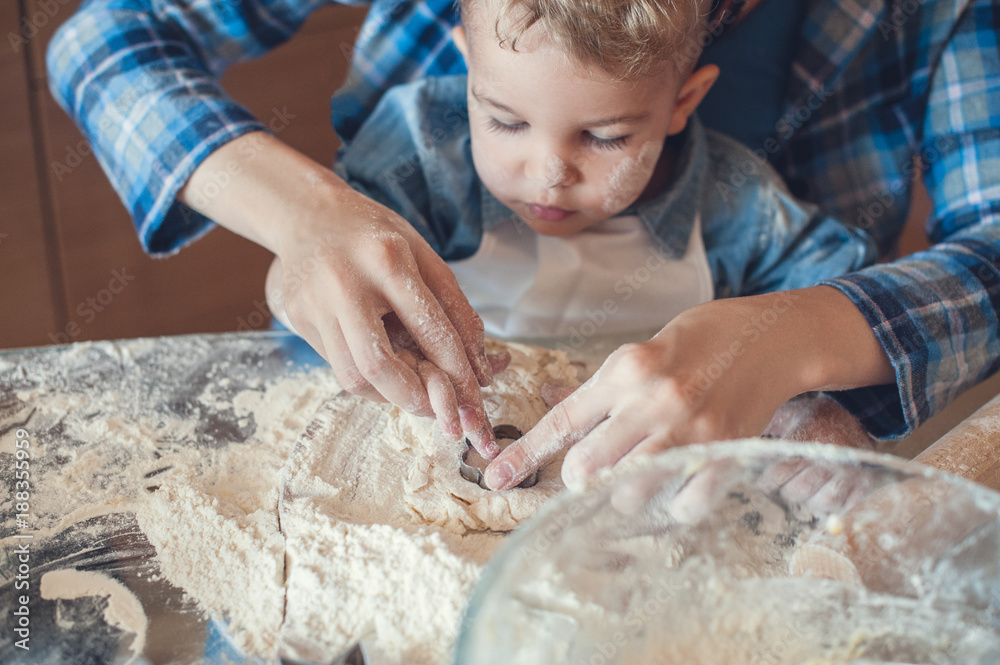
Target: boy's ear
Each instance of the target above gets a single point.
(690, 95)
(458, 36)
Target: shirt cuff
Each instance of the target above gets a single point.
(889, 411)
(165, 225)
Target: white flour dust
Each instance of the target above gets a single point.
(385, 539)
(629, 177)
(555, 171)
(123, 610)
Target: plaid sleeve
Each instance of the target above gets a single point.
(400, 41)
(140, 78)
(935, 313)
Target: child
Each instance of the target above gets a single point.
(568, 183)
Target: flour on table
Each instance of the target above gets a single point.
(214, 521)
(192, 436)
(384, 538)
(123, 610)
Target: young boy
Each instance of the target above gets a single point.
(568, 183)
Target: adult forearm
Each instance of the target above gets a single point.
(837, 342)
(142, 85)
(936, 316)
(264, 190)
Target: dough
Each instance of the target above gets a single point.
(384, 538)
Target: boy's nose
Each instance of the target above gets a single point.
(549, 170)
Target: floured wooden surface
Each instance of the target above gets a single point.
(186, 438)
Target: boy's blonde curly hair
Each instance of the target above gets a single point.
(629, 39)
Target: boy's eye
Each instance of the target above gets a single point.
(504, 128)
(600, 143)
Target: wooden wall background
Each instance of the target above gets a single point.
(62, 235)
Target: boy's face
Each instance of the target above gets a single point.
(565, 146)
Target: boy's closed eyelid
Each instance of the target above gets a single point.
(613, 143)
(495, 125)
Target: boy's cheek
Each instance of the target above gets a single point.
(628, 177)
(494, 168)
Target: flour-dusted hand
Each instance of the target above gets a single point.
(357, 291)
(358, 283)
(718, 371)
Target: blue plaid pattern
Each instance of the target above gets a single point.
(880, 90)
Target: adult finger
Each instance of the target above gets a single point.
(421, 313)
(376, 362)
(559, 429)
(498, 361)
(553, 393)
(441, 282)
(604, 445)
(330, 344)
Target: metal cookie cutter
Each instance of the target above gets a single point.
(474, 474)
(353, 656)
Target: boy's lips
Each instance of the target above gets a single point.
(548, 213)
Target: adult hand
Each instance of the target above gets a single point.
(357, 282)
(718, 371)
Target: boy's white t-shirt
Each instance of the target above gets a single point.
(608, 280)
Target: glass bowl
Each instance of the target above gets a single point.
(748, 553)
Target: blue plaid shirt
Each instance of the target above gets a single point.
(879, 91)
(413, 155)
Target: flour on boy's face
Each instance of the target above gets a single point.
(562, 144)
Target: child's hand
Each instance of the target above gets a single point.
(351, 273)
(718, 371)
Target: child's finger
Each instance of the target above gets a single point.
(805, 485)
(422, 314)
(604, 445)
(702, 493)
(775, 476)
(442, 284)
(442, 396)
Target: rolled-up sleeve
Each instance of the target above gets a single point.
(140, 78)
(935, 312)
